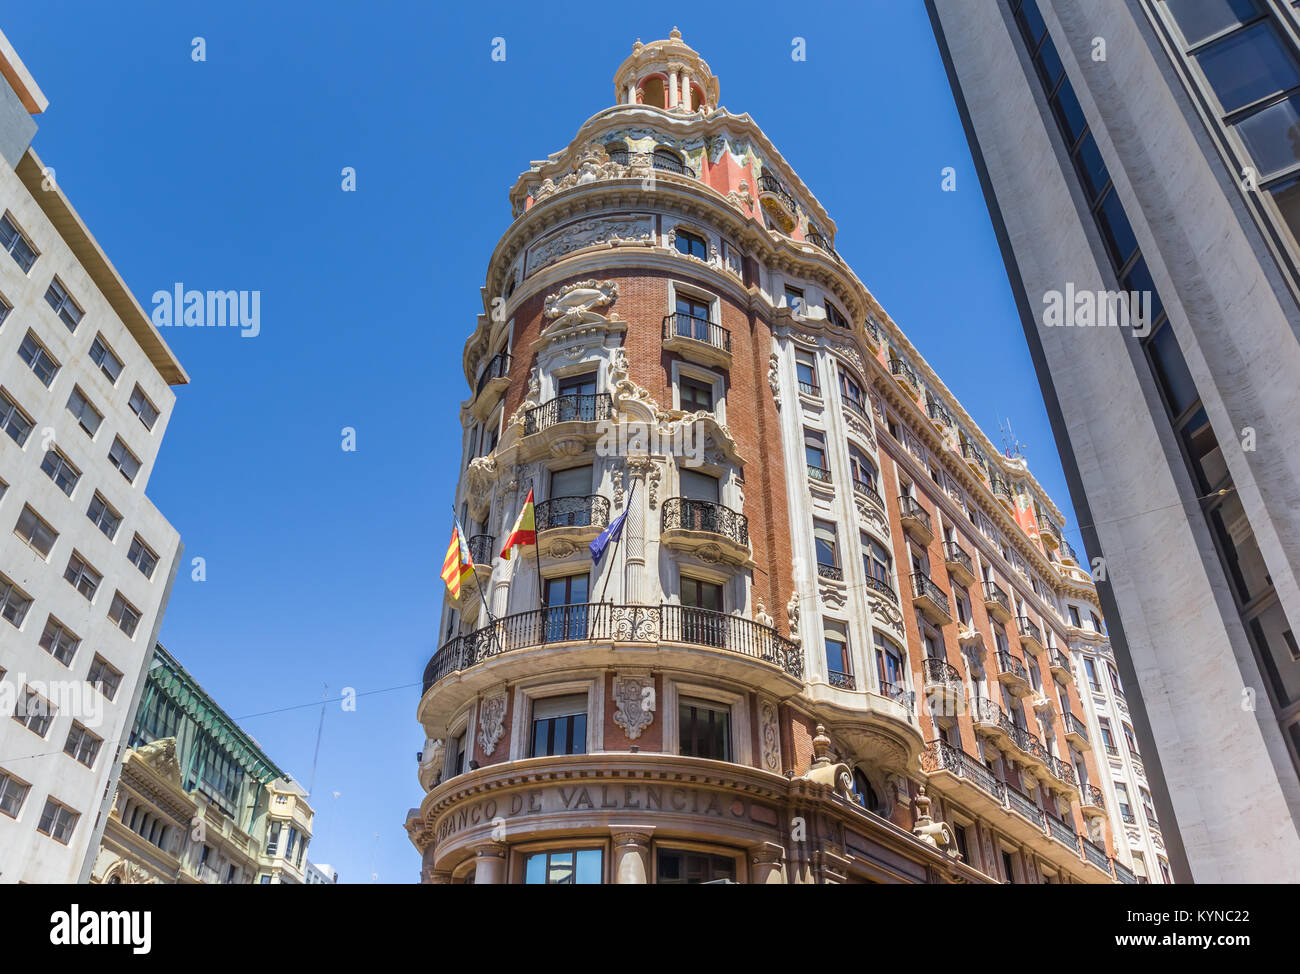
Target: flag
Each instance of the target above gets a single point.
(525, 529)
(612, 533)
(458, 562)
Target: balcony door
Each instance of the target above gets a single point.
(703, 621)
(572, 392)
(692, 318)
(566, 607)
(702, 494)
(568, 501)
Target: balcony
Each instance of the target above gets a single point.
(1012, 675)
(697, 339)
(577, 516)
(931, 600)
(776, 199)
(494, 377)
(916, 520)
(902, 372)
(900, 695)
(810, 389)
(1031, 637)
(666, 162)
(1002, 491)
(569, 417)
(1067, 553)
(1063, 833)
(1060, 664)
(1028, 744)
(1152, 820)
(974, 459)
(691, 525)
(1076, 731)
(819, 240)
(940, 756)
(868, 493)
(989, 719)
(609, 624)
(1048, 532)
(961, 569)
(819, 475)
(996, 601)
(1093, 802)
(1021, 804)
(938, 415)
(883, 587)
(941, 680)
(1096, 855)
(1062, 771)
(1124, 874)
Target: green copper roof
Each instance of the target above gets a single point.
(178, 685)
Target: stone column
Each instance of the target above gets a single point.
(686, 90)
(767, 864)
(631, 854)
(634, 585)
(673, 91)
(490, 863)
(631, 93)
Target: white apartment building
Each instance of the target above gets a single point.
(86, 560)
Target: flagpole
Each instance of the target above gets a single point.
(618, 544)
(537, 556)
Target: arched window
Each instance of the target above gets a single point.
(617, 152)
(865, 794)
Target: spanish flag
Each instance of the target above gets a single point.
(458, 562)
(525, 530)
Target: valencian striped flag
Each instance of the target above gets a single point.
(525, 529)
(458, 562)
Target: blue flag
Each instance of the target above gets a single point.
(611, 533)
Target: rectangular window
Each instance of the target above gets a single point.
(127, 463)
(834, 316)
(34, 530)
(16, 242)
(61, 470)
(560, 725)
(58, 298)
(814, 448)
(82, 745)
(38, 359)
(805, 367)
(104, 677)
(696, 395)
(103, 516)
(569, 867)
(1107, 738)
(58, 641)
(143, 407)
(889, 665)
(5, 308)
(825, 542)
(794, 299)
(102, 355)
(82, 577)
(36, 713)
(1074, 617)
(679, 868)
(12, 794)
(14, 603)
(58, 821)
(13, 420)
(142, 556)
(566, 607)
(704, 729)
(124, 615)
(838, 662)
(698, 486)
(273, 839)
(87, 415)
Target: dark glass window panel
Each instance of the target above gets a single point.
(837, 655)
(1049, 64)
(705, 731)
(578, 385)
(1272, 136)
(691, 245)
(1031, 22)
(1286, 195)
(1171, 370)
(1092, 170)
(1234, 554)
(1203, 449)
(696, 396)
(1248, 66)
(1281, 668)
(1139, 279)
(1115, 229)
(1199, 19)
(1069, 113)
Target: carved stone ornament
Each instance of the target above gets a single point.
(769, 735)
(562, 548)
(932, 833)
(635, 710)
(616, 481)
(161, 756)
(832, 594)
(575, 304)
(792, 617)
(589, 233)
(885, 612)
(774, 378)
(491, 721)
(622, 386)
(761, 616)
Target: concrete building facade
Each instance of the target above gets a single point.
(86, 560)
(831, 645)
(1143, 146)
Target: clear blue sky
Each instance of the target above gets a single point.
(322, 566)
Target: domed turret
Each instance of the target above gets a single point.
(666, 74)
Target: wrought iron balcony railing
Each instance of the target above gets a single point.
(699, 329)
(985, 711)
(1000, 488)
(498, 367)
(709, 516)
(868, 491)
(938, 413)
(911, 507)
(1020, 802)
(1060, 661)
(1124, 874)
(810, 388)
(1096, 855)
(900, 695)
(767, 183)
(1009, 664)
(842, 681)
(900, 369)
(820, 474)
(605, 622)
(1028, 628)
(882, 586)
(924, 585)
(1073, 725)
(567, 409)
(834, 572)
(958, 555)
(993, 592)
(939, 671)
(1063, 833)
(482, 549)
(855, 406)
(1092, 795)
(819, 240)
(1063, 770)
(668, 163)
(573, 512)
(942, 756)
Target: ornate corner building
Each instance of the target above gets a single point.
(198, 801)
(832, 644)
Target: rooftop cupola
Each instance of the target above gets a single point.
(666, 74)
